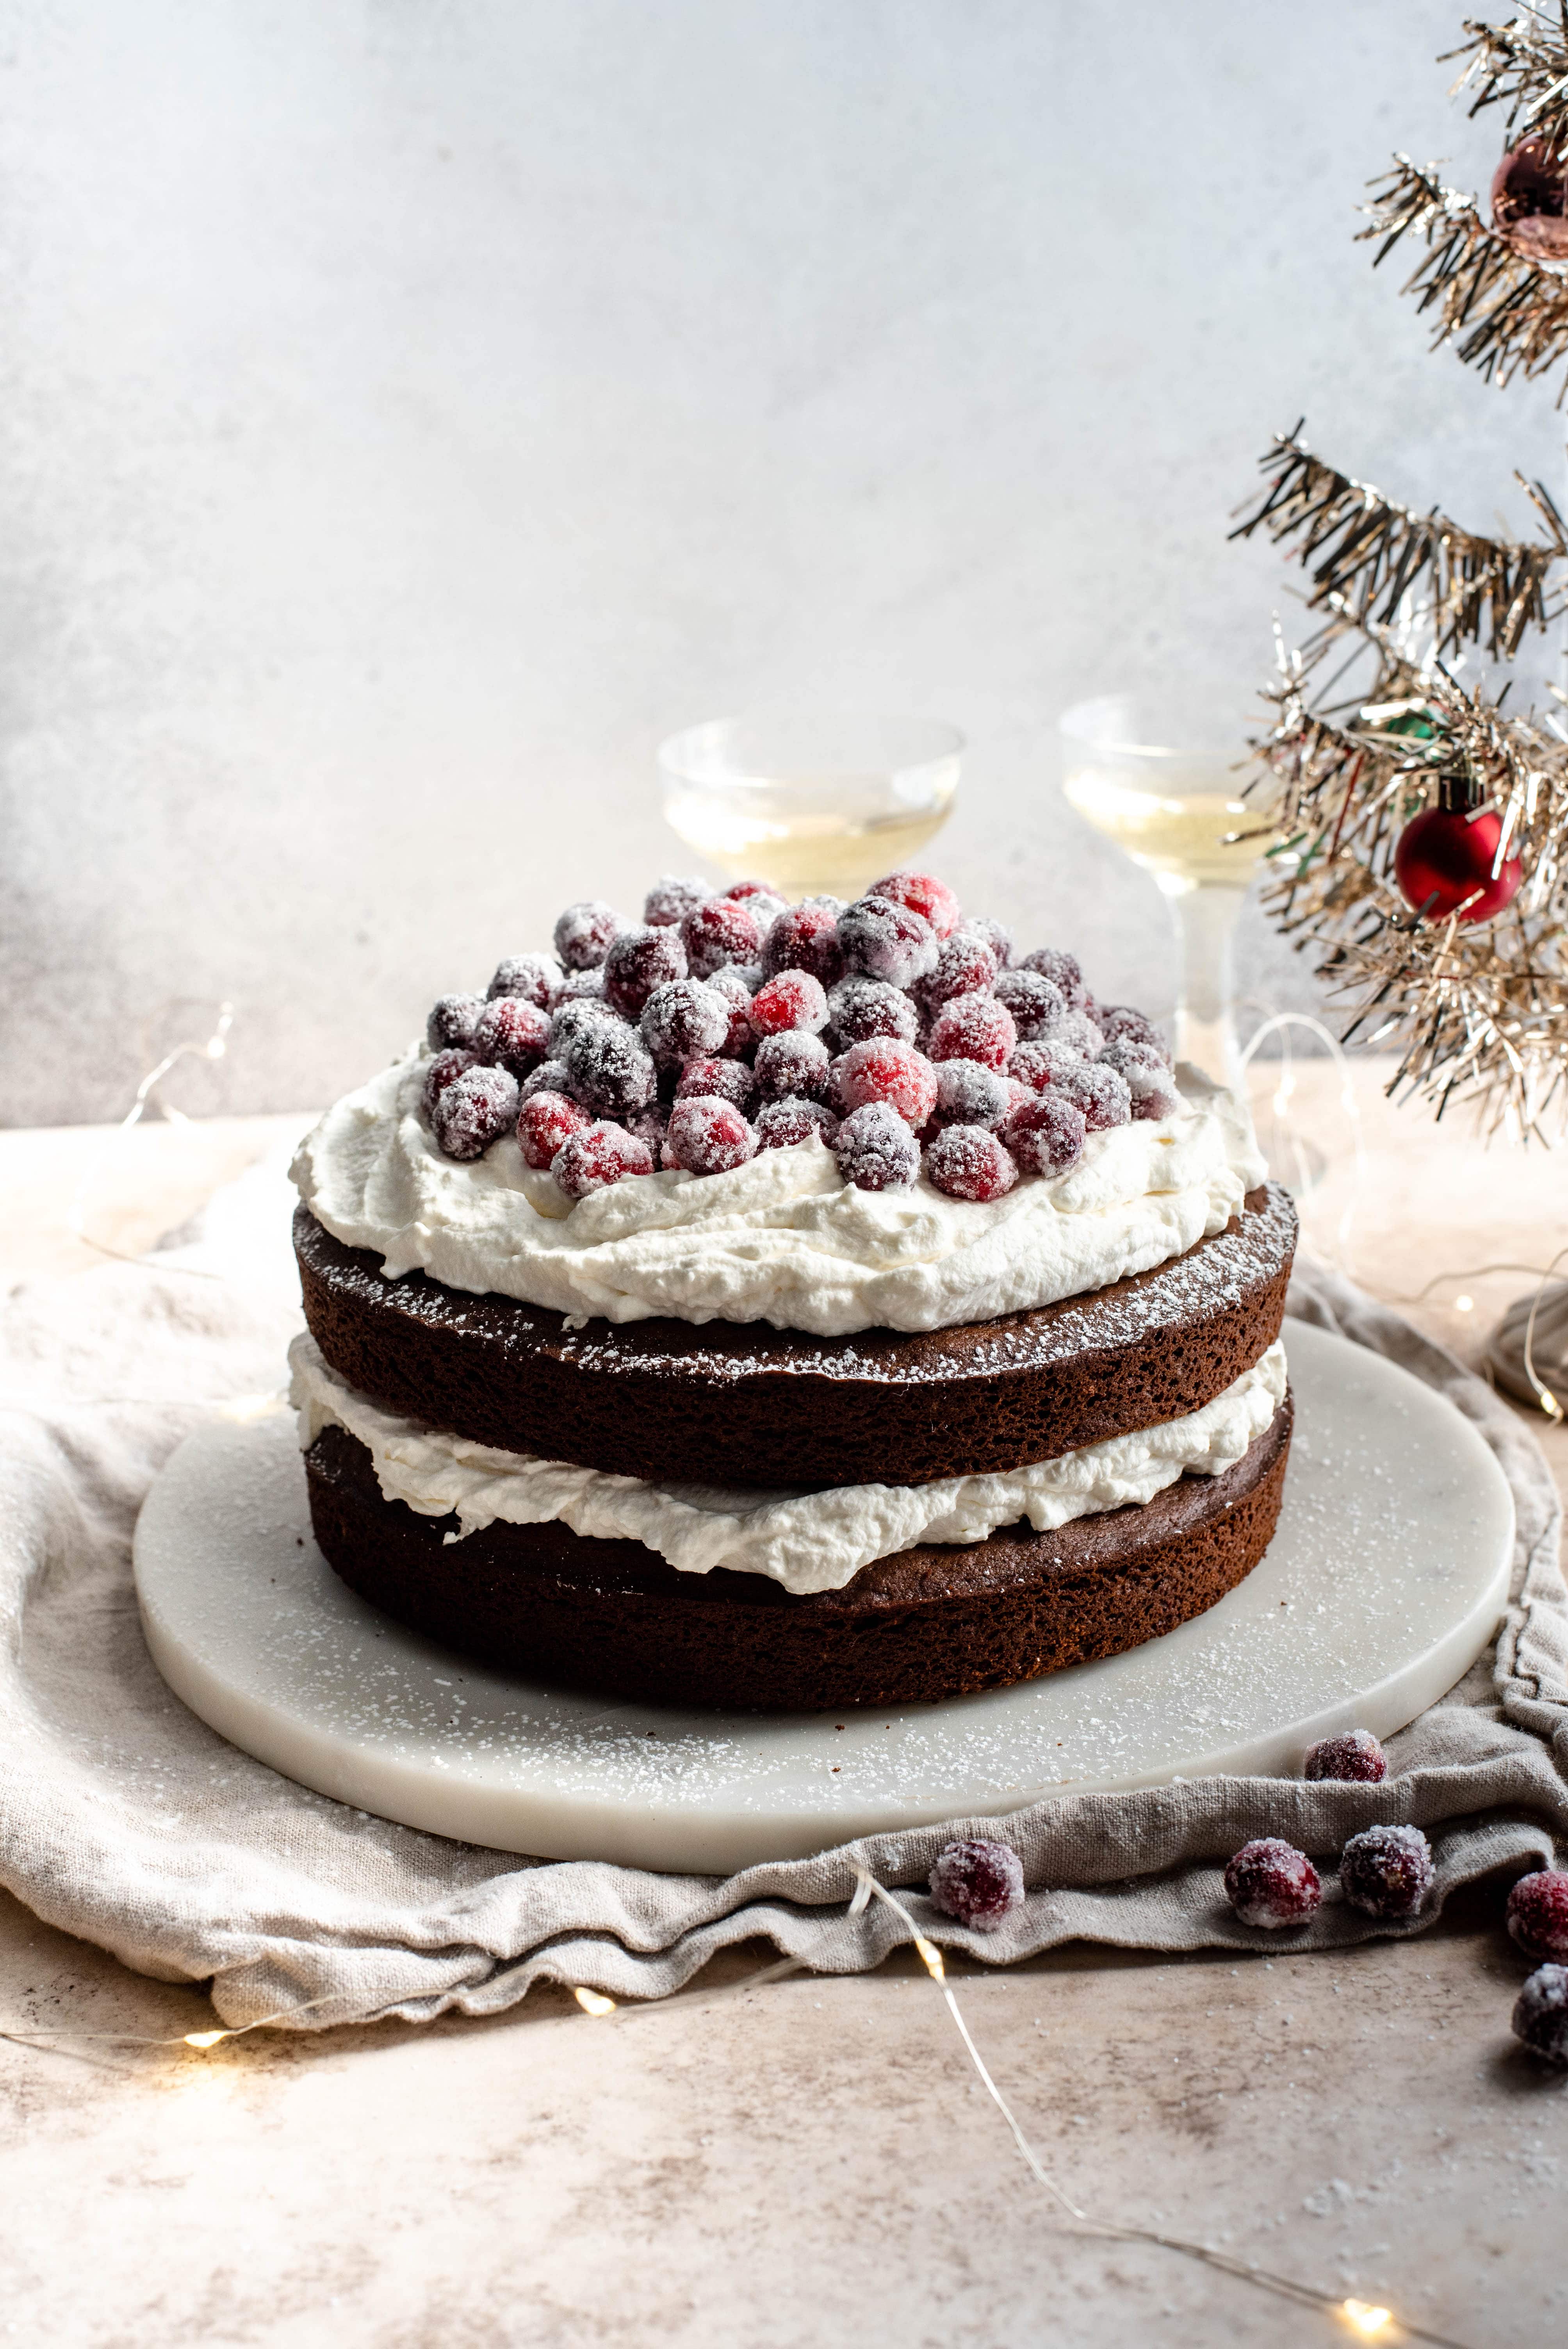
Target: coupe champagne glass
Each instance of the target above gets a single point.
(812, 802)
(1172, 803)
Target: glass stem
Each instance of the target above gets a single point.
(1205, 922)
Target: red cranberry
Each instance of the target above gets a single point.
(731, 983)
(670, 898)
(637, 962)
(1047, 1136)
(1121, 1023)
(729, 1081)
(575, 1017)
(533, 977)
(512, 1033)
(717, 932)
(793, 1062)
(549, 1077)
(965, 965)
(685, 1021)
(793, 999)
(969, 1093)
(884, 940)
(861, 1008)
(1038, 1065)
(743, 890)
(1103, 1096)
(579, 985)
(1538, 1913)
(996, 936)
(979, 1882)
(585, 932)
(474, 1111)
(452, 1020)
(884, 1069)
(1037, 1005)
(1540, 2013)
(545, 1123)
(1387, 1871)
(974, 1028)
(804, 937)
(781, 1123)
(1270, 1883)
(707, 1136)
(598, 1157)
(1063, 972)
(923, 894)
(443, 1070)
(650, 1125)
(611, 1073)
(875, 1149)
(1078, 1031)
(1147, 1074)
(966, 1162)
(1354, 1754)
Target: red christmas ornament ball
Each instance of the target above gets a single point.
(1443, 857)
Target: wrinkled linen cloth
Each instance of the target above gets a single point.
(124, 1820)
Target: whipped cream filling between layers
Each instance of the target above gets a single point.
(806, 1541)
(783, 1239)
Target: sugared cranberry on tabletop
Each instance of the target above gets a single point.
(793, 999)
(875, 1149)
(452, 1020)
(612, 1073)
(585, 932)
(974, 1028)
(977, 1882)
(1147, 1077)
(729, 1081)
(685, 1021)
(1540, 2013)
(1046, 1136)
(1104, 1098)
(637, 962)
(859, 1008)
(1037, 1003)
(966, 965)
(804, 937)
(513, 1033)
(1387, 1871)
(545, 1124)
(793, 1062)
(720, 930)
(474, 1111)
(670, 898)
(966, 1162)
(884, 940)
(1271, 1884)
(1538, 1913)
(885, 1069)
(1062, 970)
(1354, 1754)
(707, 1136)
(1035, 1066)
(969, 1093)
(599, 1157)
(924, 894)
(532, 976)
(781, 1123)
(443, 1070)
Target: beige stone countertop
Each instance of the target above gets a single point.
(811, 2163)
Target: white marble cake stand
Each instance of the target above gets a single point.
(1384, 1582)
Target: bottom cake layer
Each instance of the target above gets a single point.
(933, 1622)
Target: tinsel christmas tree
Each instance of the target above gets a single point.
(1419, 821)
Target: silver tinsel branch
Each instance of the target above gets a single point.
(1522, 65)
(1503, 313)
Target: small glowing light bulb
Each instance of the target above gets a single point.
(1363, 2318)
(205, 2038)
(1464, 1305)
(932, 1955)
(591, 2004)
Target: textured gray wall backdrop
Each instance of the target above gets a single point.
(414, 409)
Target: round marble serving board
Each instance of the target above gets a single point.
(1385, 1580)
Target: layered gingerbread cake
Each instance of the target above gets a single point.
(792, 1306)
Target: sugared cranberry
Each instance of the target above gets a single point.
(743, 890)
(707, 1136)
(719, 931)
(922, 893)
(1062, 970)
(474, 1111)
(965, 965)
(1387, 1871)
(669, 899)
(734, 985)
(979, 1882)
(884, 1069)
(974, 1028)
(1538, 1913)
(1039, 1065)
(598, 1157)
(1098, 1091)
(966, 1162)
(1270, 1883)
(793, 999)
(1078, 1031)
(1540, 2013)
(611, 1074)
(685, 1021)
(859, 1008)
(640, 960)
(1123, 1023)
(1037, 1004)
(545, 1124)
(996, 935)
(793, 1062)
(575, 1017)
(549, 1077)
(804, 937)
(443, 1070)
(1147, 1077)
(875, 1149)
(650, 1125)
(452, 1020)
(579, 985)
(783, 1123)
(1046, 1137)
(532, 976)
(729, 1081)
(1354, 1754)
(881, 939)
(585, 932)
(513, 1033)
(969, 1093)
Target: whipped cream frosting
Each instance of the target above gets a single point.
(806, 1541)
(783, 1239)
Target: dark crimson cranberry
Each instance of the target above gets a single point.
(966, 1162)
(443, 1070)
(1148, 1078)
(729, 1081)
(875, 1149)
(1121, 1023)
(965, 965)
(1078, 1031)
(793, 1062)
(532, 976)
(579, 985)
(781, 1123)
(611, 1072)
(996, 935)
(650, 1125)
(1063, 972)
(884, 1070)
(974, 1028)
(639, 961)
(549, 1077)
(969, 1093)
(732, 983)
(793, 999)
(575, 1017)
(512, 1033)
(545, 1124)
(1038, 1065)
(668, 899)
(452, 1020)
(1270, 1883)
(585, 932)
(474, 1111)
(1037, 1004)
(860, 1009)
(1354, 1754)
(707, 1136)
(1538, 1913)
(717, 932)
(1104, 1098)
(1046, 1137)
(1385, 1871)
(884, 940)
(598, 1157)
(923, 894)
(804, 937)
(1540, 2013)
(685, 1021)
(743, 890)
(979, 1882)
